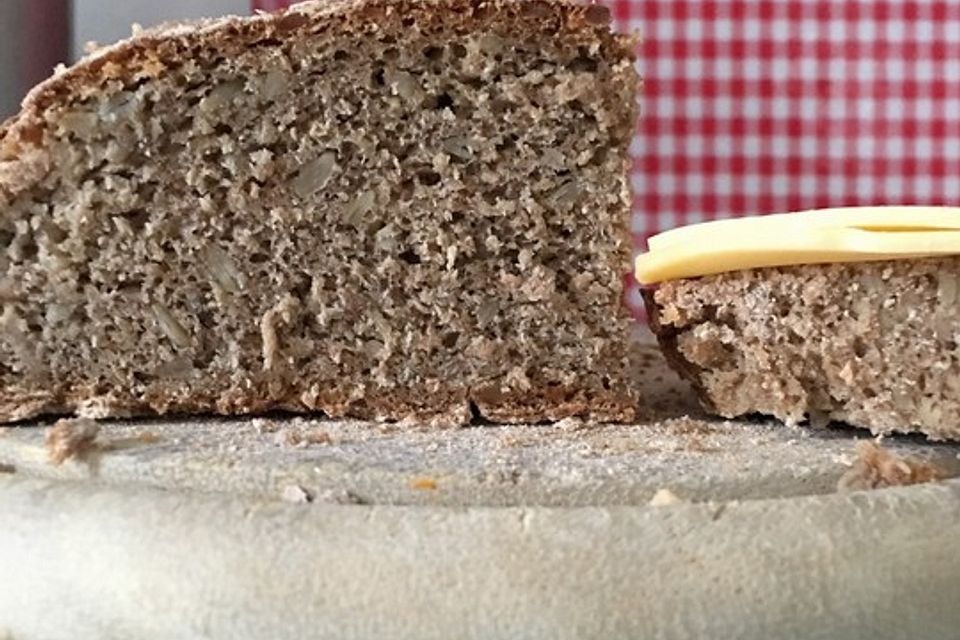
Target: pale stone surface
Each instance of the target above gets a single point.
(562, 465)
(294, 528)
(85, 560)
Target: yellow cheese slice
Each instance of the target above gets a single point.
(852, 234)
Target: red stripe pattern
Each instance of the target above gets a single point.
(760, 106)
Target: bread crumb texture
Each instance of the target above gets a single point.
(388, 210)
(874, 345)
(877, 467)
(71, 438)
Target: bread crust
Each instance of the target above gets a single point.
(445, 407)
(149, 52)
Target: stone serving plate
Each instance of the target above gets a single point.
(287, 527)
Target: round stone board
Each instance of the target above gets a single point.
(288, 526)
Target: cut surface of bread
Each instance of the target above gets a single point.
(870, 344)
(390, 210)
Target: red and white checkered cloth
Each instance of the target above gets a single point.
(760, 106)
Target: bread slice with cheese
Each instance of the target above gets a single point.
(848, 316)
(409, 209)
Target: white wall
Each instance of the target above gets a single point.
(107, 21)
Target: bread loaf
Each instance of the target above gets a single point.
(387, 210)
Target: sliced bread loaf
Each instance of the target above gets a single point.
(382, 209)
(871, 344)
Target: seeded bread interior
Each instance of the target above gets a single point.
(870, 344)
(387, 210)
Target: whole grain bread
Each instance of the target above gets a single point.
(381, 209)
(874, 345)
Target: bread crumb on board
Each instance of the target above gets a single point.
(263, 426)
(292, 437)
(148, 437)
(424, 484)
(664, 498)
(877, 467)
(71, 438)
(296, 494)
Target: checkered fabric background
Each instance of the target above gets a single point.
(761, 106)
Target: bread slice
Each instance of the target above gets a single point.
(871, 344)
(389, 210)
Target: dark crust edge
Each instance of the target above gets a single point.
(452, 406)
(667, 337)
(128, 58)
